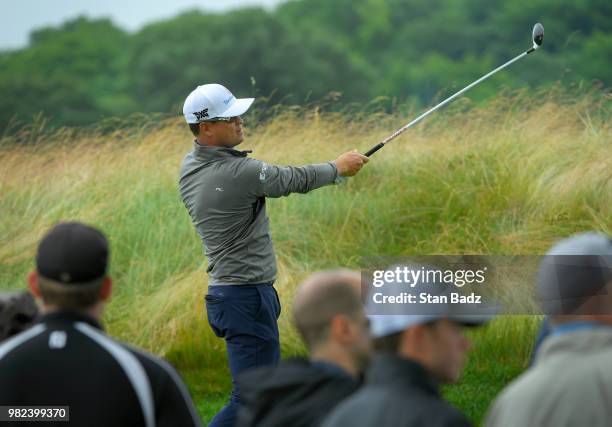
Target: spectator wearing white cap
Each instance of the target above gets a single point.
(225, 192)
(417, 349)
(570, 383)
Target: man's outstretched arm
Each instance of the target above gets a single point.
(277, 181)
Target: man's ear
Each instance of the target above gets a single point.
(107, 289)
(33, 284)
(340, 328)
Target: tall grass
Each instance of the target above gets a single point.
(506, 177)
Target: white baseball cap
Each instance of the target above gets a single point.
(211, 101)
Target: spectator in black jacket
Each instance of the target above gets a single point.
(329, 315)
(67, 360)
(417, 348)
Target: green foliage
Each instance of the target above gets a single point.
(73, 73)
(303, 51)
(230, 49)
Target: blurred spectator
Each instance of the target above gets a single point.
(414, 354)
(570, 383)
(329, 315)
(67, 360)
(18, 311)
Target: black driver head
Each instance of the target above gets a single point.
(538, 34)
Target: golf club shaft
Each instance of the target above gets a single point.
(443, 103)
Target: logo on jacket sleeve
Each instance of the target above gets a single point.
(201, 114)
(262, 172)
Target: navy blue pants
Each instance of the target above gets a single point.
(246, 317)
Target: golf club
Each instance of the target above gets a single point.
(537, 36)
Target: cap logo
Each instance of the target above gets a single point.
(228, 100)
(201, 114)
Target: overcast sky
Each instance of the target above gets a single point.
(19, 17)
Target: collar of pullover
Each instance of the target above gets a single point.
(574, 344)
(205, 152)
(61, 317)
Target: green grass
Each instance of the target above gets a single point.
(509, 177)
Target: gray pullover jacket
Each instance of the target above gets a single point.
(570, 385)
(224, 192)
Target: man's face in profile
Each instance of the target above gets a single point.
(228, 133)
(448, 349)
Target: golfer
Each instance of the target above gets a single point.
(225, 193)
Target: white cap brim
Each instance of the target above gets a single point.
(238, 108)
(387, 324)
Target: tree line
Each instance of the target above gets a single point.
(353, 51)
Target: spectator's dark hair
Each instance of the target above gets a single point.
(71, 297)
(195, 128)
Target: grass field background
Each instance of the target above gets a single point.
(506, 177)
